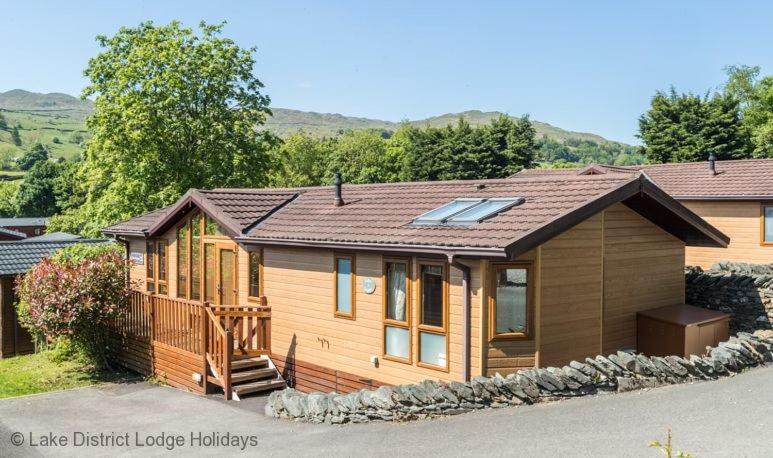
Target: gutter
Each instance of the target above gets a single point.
(497, 253)
(466, 312)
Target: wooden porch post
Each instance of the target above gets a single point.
(203, 344)
(228, 349)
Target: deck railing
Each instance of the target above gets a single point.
(216, 332)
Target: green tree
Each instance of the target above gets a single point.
(3, 122)
(15, 137)
(361, 157)
(36, 194)
(8, 190)
(688, 127)
(514, 144)
(174, 109)
(37, 154)
(301, 161)
(755, 97)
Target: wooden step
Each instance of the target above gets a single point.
(256, 387)
(249, 376)
(248, 363)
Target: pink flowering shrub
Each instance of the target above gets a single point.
(76, 300)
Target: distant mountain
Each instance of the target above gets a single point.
(55, 120)
(286, 121)
(58, 121)
(19, 99)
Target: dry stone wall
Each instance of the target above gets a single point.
(743, 290)
(618, 372)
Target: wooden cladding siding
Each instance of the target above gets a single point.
(299, 284)
(162, 341)
(643, 269)
(507, 356)
(738, 220)
(308, 377)
(14, 338)
(570, 308)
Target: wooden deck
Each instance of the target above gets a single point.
(193, 346)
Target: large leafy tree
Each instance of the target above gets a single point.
(174, 109)
(755, 96)
(33, 156)
(36, 194)
(689, 127)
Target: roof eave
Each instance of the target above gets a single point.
(194, 198)
(726, 197)
(565, 221)
(447, 251)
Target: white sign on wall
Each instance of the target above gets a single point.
(137, 257)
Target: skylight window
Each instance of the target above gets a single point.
(440, 214)
(484, 210)
(465, 212)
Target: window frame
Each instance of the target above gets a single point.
(429, 329)
(353, 288)
(530, 298)
(259, 253)
(159, 282)
(185, 292)
(763, 206)
(150, 266)
(387, 322)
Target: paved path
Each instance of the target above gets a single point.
(729, 417)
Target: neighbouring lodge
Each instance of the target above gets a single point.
(734, 196)
(351, 286)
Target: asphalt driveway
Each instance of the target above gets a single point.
(728, 417)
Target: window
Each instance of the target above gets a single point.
(150, 267)
(182, 261)
(162, 267)
(465, 212)
(212, 228)
(254, 274)
(510, 302)
(343, 272)
(397, 333)
(439, 214)
(196, 257)
(767, 225)
(156, 267)
(484, 210)
(433, 325)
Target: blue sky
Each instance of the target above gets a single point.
(587, 66)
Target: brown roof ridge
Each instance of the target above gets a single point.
(695, 163)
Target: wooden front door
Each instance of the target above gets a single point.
(220, 285)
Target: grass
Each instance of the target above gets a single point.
(48, 371)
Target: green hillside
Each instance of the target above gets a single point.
(58, 121)
(286, 121)
(55, 120)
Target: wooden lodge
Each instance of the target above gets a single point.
(344, 287)
(734, 196)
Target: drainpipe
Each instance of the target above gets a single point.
(465, 318)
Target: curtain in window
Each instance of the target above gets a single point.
(396, 294)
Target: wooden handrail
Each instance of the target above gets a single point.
(215, 332)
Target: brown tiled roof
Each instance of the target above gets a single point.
(234, 209)
(379, 216)
(382, 213)
(737, 179)
(138, 224)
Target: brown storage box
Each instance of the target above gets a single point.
(681, 330)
